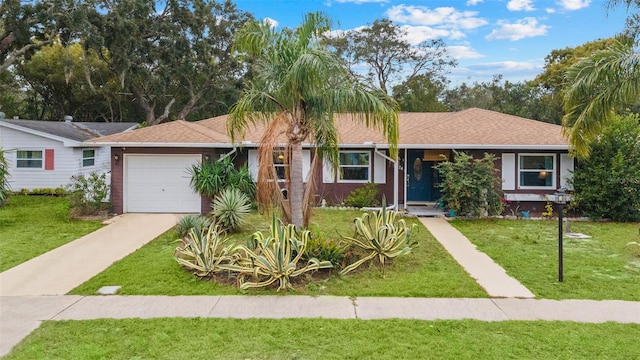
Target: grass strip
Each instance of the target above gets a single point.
(180, 338)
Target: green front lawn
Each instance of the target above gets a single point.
(602, 267)
(428, 271)
(33, 225)
(327, 339)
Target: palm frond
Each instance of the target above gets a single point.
(597, 88)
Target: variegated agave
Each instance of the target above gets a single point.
(203, 250)
(275, 258)
(381, 234)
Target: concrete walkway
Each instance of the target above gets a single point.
(491, 276)
(59, 271)
(22, 314)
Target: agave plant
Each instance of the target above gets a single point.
(230, 208)
(188, 222)
(381, 234)
(204, 251)
(275, 257)
(241, 179)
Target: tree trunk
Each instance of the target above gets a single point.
(296, 184)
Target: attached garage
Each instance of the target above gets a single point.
(159, 184)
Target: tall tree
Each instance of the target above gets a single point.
(602, 86)
(389, 56)
(57, 82)
(26, 26)
(173, 56)
(299, 88)
(419, 94)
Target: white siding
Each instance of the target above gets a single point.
(67, 160)
(379, 169)
(328, 175)
(252, 163)
(566, 171)
(508, 171)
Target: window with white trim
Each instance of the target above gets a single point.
(536, 171)
(29, 159)
(280, 165)
(355, 166)
(88, 157)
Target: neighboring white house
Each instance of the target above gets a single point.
(45, 154)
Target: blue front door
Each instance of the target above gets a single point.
(423, 179)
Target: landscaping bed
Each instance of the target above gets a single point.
(428, 271)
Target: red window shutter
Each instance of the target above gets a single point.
(48, 159)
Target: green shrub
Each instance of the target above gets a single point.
(88, 194)
(203, 251)
(325, 250)
(469, 186)
(230, 208)
(380, 234)
(241, 179)
(275, 258)
(4, 179)
(208, 178)
(607, 183)
(188, 222)
(365, 196)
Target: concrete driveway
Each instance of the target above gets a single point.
(59, 271)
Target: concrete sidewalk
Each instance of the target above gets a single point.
(59, 271)
(22, 314)
(491, 276)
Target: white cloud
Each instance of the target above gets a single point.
(524, 28)
(550, 10)
(418, 34)
(474, 2)
(271, 22)
(520, 5)
(574, 4)
(461, 52)
(510, 66)
(445, 17)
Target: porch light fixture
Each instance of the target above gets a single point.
(560, 199)
(116, 157)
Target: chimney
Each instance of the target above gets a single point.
(68, 118)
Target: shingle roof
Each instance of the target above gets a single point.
(77, 131)
(179, 132)
(468, 128)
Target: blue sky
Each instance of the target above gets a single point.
(486, 37)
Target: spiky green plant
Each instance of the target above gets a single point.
(230, 209)
(241, 179)
(188, 222)
(208, 178)
(275, 257)
(381, 234)
(203, 251)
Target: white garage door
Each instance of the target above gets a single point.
(159, 184)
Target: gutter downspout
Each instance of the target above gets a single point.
(395, 176)
(224, 156)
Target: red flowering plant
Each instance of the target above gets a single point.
(508, 205)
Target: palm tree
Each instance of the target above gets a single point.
(598, 88)
(601, 86)
(299, 87)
